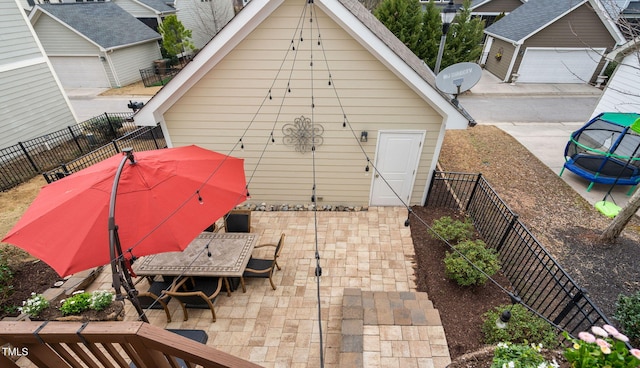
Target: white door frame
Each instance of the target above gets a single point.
(421, 134)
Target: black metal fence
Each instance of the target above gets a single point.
(154, 76)
(536, 277)
(142, 139)
(23, 161)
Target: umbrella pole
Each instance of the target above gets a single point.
(120, 274)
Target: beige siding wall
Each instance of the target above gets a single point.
(128, 61)
(498, 6)
(58, 40)
(228, 101)
(499, 67)
(581, 26)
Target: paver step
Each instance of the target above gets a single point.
(367, 313)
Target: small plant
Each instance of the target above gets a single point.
(100, 299)
(6, 278)
(461, 271)
(34, 305)
(604, 348)
(628, 314)
(76, 304)
(524, 327)
(450, 230)
(511, 355)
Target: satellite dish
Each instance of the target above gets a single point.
(458, 78)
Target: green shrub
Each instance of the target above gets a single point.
(76, 304)
(6, 279)
(450, 230)
(461, 271)
(524, 327)
(100, 299)
(628, 314)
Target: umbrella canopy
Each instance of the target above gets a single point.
(164, 200)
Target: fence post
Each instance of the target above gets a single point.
(507, 231)
(115, 144)
(565, 311)
(33, 164)
(113, 131)
(153, 135)
(473, 192)
(433, 178)
(75, 139)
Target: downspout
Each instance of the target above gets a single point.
(513, 62)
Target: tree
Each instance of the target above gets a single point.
(421, 31)
(464, 41)
(175, 38)
(403, 18)
(613, 231)
(430, 34)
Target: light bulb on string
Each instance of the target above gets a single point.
(271, 98)
(329, 78)
(241, 145)
(366, 170)
(273, 140)
(293, 47)
(200, 200)
(344, 122)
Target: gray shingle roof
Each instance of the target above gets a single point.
(530, 17)
(105, 23)
(158, 5)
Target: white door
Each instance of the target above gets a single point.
(80, 71)
(396, 161)
(558, 65)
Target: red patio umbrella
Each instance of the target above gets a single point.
(164, 200)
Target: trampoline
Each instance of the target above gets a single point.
(605, 150)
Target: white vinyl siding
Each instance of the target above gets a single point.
(80, 71)
(13, 43)
(136, 10)
(215, 112)
(621, 93)
(59, 40)
(128, 61)
(31, 105)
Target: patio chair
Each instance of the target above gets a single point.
(154, 298)
(200, 292)
(263, 268)
(237, 221)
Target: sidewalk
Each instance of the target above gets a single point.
(547, 140)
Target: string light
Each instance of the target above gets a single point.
(271, 98)
(241, 144)
(200, 200)
(273, 140)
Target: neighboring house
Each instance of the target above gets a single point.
(149, 12)
(204, 18)
(364, 80)
(32, 102)
(551, 41)
(621, 92)
(489, 10)
(95, 44)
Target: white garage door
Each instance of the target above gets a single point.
(80, 71)
(568, 65)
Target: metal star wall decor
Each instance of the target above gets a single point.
(302, 134)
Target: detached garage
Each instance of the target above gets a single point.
(551, 41)
(94, 44)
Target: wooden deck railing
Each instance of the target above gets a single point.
(105, 344)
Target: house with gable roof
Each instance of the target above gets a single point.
(149, 12)
(489, 10)
(551, 41)
(95, 44)
(286, 73)
(32, 101)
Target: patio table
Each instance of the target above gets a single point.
(230, 253)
